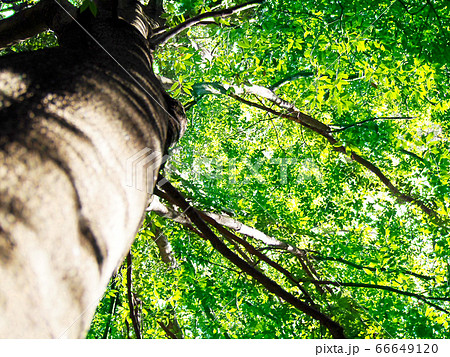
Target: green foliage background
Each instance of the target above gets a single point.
(396, 55)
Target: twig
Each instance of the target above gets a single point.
(319, 257)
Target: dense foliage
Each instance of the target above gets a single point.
(374, 259)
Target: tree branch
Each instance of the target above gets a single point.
(252, 250)
(386, 288)
(335, 329)
(46, 14)
(131, 305)
(166, 36)
(165, 248)
(233, 91)
(169, 333)
(318, 257)
(306, 74)
(345, 127)
(112, 308)
(325, 131)
(225, 221)
(292, 77)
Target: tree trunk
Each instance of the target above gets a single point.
(74, 121)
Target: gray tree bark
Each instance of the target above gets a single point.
(73, 121)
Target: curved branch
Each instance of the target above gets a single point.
(316, 255)
(166, 36)
(290, 78)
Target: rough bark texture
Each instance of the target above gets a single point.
(71, 118)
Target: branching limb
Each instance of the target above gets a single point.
(221, 221)
(166, 36)
(46, 14)
(335, 329)
(252, 250)
(325, 131)
(233, 91)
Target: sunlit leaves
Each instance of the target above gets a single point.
(375, 72)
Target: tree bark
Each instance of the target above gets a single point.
(74, 121)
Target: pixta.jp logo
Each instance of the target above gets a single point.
(142, 169)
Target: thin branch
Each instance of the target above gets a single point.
(292, 77)
(166, 36)
(345, 127)
(335, 328)
(407, 9)
(114, 301)
(131, 305)
(319, 257)
(306, 74)
(386, 288)
(417, 157)
(220, 266)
